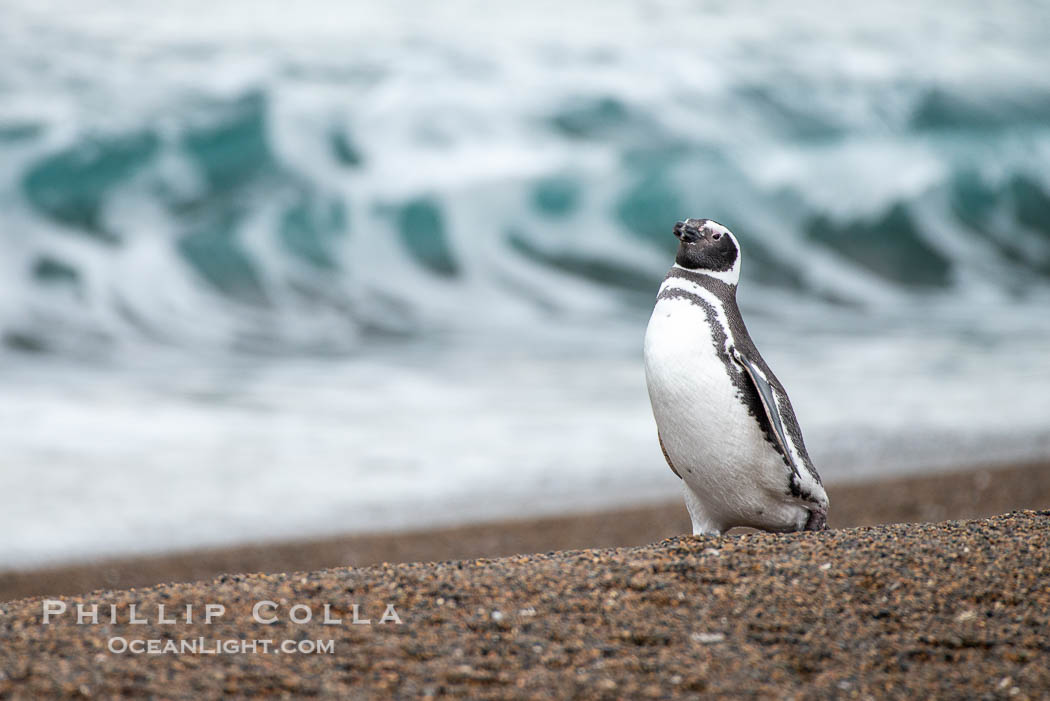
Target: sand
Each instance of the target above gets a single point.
(959, 495)
(958, 609)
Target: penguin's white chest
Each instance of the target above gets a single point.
(689, 387)
(710, 436)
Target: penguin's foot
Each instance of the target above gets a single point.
(706, 530)
(818, 521)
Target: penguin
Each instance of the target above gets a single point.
(724, 421)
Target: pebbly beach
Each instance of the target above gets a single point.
(956, 609)
(962, 494)
(949, 609)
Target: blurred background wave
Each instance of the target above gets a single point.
(274, 270)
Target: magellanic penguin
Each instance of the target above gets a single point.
(724, 421)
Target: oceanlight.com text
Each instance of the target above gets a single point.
(208, 646)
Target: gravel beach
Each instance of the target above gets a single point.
(957, 609)
(934, 497)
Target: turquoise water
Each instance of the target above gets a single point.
(284, 230)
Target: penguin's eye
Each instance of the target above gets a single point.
(716, 236)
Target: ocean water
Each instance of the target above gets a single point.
(274, 271)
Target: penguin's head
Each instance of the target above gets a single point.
(708, 247)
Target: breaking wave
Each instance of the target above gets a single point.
(257, 190)
(304, 269)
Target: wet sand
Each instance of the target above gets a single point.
(958, 609)
(959, 495)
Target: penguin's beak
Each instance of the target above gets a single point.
(685, 233)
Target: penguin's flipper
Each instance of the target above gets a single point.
(769, 403)
(666, 456)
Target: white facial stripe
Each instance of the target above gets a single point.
(717, 228)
